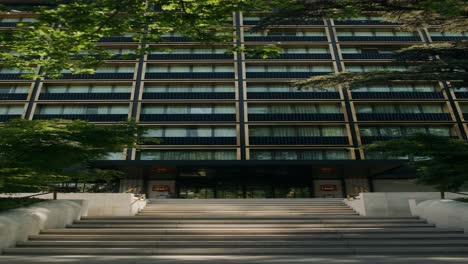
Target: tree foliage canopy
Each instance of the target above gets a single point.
(39, 153)
(439, 161)
(66, 33)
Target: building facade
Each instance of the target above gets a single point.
(230, 126)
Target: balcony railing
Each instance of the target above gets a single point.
(188, 117)
(286, 75)
(299, 56)
(298, 140)
(117, 39)
(462, 95)
(4, 118)
(382, 38)
(99, 76)
(304, 22)
(13, 96)
(364, 22)
(84, 96)
(370, 139)
(11, 76)
(191, 75)
(453, 38)
(194, 141)
(364, 56)
(92, 118)
(296, 117)
(190, 57)
(207, 95)
(293, 95)
(286, 38)
(8, 24)
(176, 39)
(398, 95)
(404, 117)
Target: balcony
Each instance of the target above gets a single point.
(190, 75)
(285, 38)
(84, 96)
(285, 75)
(398, 95)
(190, 57)
(12, 76)
(293, 95)
(188, 117)
(305, 56)
(364, 22)
(13, 96)
(296, 117)
(195, 141)
(117, 39)
(298, 141)
(403, 117)
(91, 118)
(462, 95)
(444, 38)
(207, 95)
(98, 76)
(370, 56)
(5, 118)
(378, 39)
(287, 23)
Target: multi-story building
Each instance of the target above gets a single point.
(231, 126)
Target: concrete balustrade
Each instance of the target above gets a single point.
(442, 213)
(100, 204)
(18, 224)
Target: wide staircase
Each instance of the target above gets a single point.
(246, 227)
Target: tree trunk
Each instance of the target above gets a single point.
(442, 195)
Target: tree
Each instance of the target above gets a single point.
(69, 30)
(41, 153)
(440, 62)
(439, 161)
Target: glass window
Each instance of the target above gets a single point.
(260, 109)
(363, 33)
(177, 109)
(158, 68)
(336, 154)
(50, 110)
(257, 88)
(56, 89)
(328, 108)
(390, 131)
(178, 89)
(260, 155)
(153, 109)
(154, 132)
(410, 109)
(225, 132)
(225, 155)
(364, 109)
(224, 88)
(415, 130)
(155, 89)
(223, 68)
(101, 89)
(300, 68)
(432, 109)
(151, 155)
(295, 50)
(424, 88)
(440, 131)
(260, 131)
(286, 155)
(74, 110)
(369, 131)
(119, 110)
(283, 132)
(203, 68)
(333, 132)
(201, 109)
(176, 132)
(402, 88)
(282, 109)
(308, 131)
(312, 155)
(224, 109)
(180, 68)
(382, 108)
(384, 33)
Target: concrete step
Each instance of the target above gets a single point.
(247, 243)
(242, 214)
(239, 251)
(254, 221)
(245, 218)
(255, 237)
(208, 231)
(253, 226)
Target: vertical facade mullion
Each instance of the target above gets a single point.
(240, 83)
(347, 101)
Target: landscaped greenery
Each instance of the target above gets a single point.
(13, 203)
(37, 155)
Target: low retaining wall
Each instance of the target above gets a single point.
(18, 224)
(442, 213)
(391, 203)
(99, 204)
